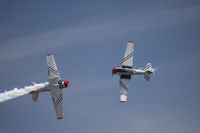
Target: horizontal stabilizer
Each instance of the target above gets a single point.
(148, 71)
(35, 96)
(147, 76)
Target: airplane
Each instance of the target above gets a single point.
(126, 71)
(55, 86)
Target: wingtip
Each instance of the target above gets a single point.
(123, 102)
(130, 41)
(59, 118)
(123, 98)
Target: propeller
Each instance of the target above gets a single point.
(114, 70)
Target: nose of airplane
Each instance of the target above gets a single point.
(66, 83)
(114, 70)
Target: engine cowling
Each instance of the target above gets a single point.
(114, 70)
(63, 83)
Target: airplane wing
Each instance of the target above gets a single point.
(56, 92)
(127, 61)
(52, 68)
(124, 83)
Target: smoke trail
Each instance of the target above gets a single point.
(7, 95)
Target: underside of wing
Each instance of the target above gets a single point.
(56, 92)
(57, 101)
(52, 68)
(124, 83)
(127, 61)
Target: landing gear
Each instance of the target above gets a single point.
(60, 82)
(60, 86)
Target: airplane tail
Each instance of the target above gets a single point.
(35, 96)
(148, 71)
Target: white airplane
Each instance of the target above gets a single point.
(55, 86)
(126, 71)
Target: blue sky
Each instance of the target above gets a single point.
(88, 38)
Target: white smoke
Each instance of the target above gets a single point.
(7, 95)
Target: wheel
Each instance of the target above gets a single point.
(60, 82)
(60, 86)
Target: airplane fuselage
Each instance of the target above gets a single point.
(46, 88)
(127, 71)
(61, 84)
